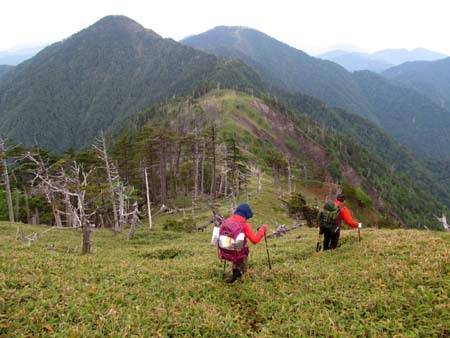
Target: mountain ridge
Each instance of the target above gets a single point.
(74, 88)
(431, 78)
(296, 71)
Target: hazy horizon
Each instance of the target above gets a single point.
(314, 27)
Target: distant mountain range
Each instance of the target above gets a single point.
(381, 60)
(72, 89)
(284, 66)
(116, 73)
(17, 55)
(431, 78)
(395, 108)
(111, 70)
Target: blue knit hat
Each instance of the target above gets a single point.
(244, 210)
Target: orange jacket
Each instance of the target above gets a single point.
(254, 238)
(345, 215)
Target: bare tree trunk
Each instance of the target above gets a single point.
(6, 180)
(162, 172)
(104, 155)
(259, 176)
(134, 221)
(27, 205)
(213, 166)
(149, 210)
(69, 210)
(55, 211)
(289, 174)
(196, 165)
(202, 171)
(225, 183)
(222, 179)
(33, 218)
(121, 208)
(17, 205)
(184, 201)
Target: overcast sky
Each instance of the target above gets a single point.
(313, 26)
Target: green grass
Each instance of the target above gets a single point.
(393, 283)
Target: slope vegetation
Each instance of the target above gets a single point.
(284, 66)
(432, 79)
(411, 118)
(163, 283)
(5, 69)
(355, 151)
(74, 88)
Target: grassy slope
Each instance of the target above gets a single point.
(393, 282)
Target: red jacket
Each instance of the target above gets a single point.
(345, 215)
(254, 238)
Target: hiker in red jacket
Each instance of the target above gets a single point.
(331, 237)
(242, 213)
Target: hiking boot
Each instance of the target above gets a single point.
(236, 275)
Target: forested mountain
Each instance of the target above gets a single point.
(284, 66)
(304, 137)
(400, 111)
(5, 69)
(72, 89)
(412, 118)
(429, 78)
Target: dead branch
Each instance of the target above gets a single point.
(165, 210)
(282, 230)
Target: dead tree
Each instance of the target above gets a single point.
(216, 219)
(443, 220)
(6, 180)
(79, 181)
(42, 176)
(149, 210)
(162, 169)
(289, 174)
(213, 164)
(257, 172)
(112, 175)
(69, 187)
(135, 221)
(196, 167)
(27, 205)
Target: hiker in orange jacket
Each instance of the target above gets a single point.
(242, 213)
(331, 237)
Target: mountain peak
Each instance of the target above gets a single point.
(120, 23)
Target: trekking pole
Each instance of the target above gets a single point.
(359, 235)
(224, 265)
(267, 249)
(319, 245)
(319, 242)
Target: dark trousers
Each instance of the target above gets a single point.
(330, 238)
(242, 265)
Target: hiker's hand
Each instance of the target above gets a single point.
(359, 225)
(263, 228)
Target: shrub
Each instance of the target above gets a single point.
(184, 225)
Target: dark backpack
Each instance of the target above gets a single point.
(328, 218)
(232, 242)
